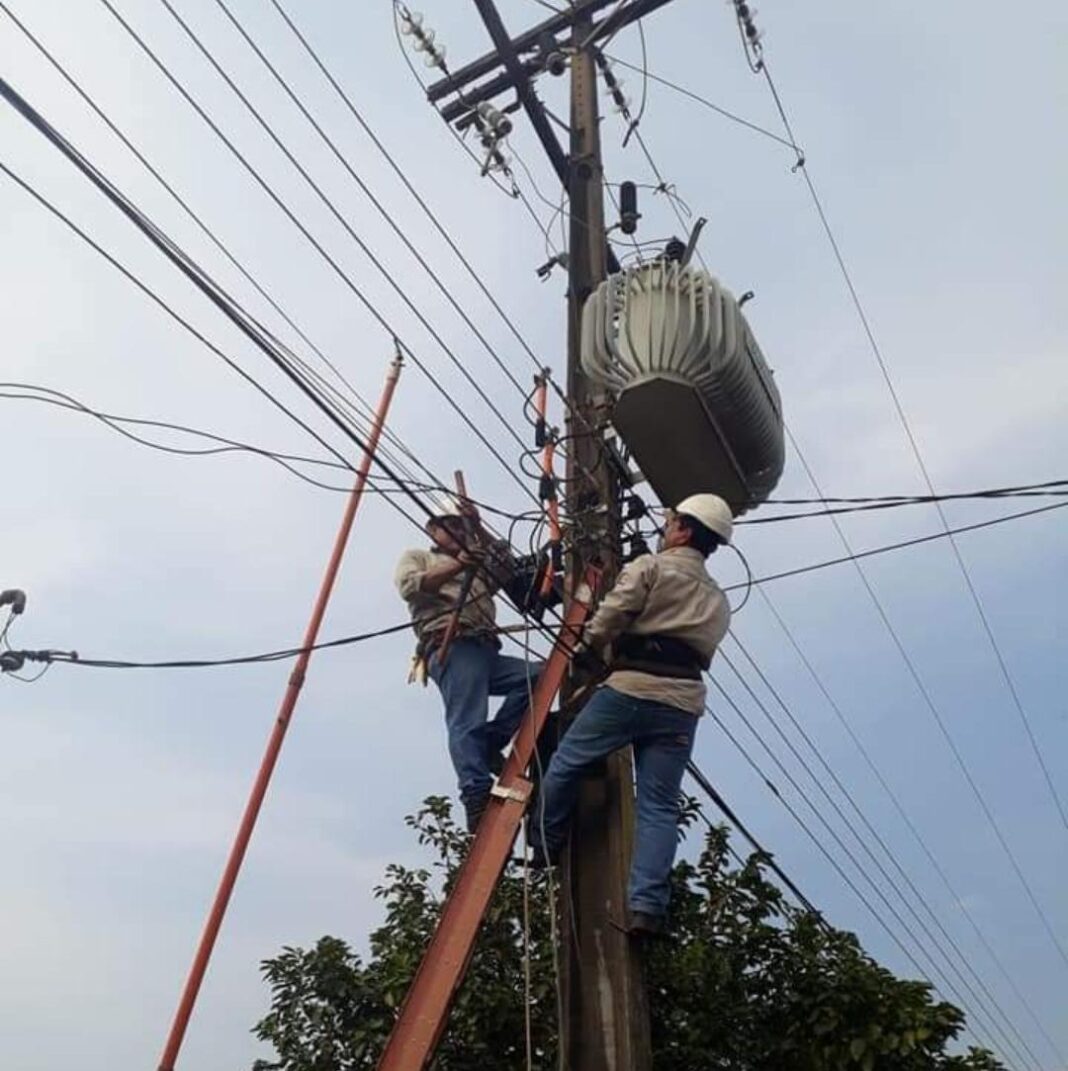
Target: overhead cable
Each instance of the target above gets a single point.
(855, 556)
(316, 244)
(758, 62)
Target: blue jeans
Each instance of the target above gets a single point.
(473, 672)
(663, 741)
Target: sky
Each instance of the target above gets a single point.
(932, 133)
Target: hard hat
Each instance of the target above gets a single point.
(446, 509)
(711, 511)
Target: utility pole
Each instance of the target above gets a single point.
(605, 1009)
(606, 1012)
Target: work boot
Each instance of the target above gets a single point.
(643, 925)
(495, 761)
(540, 858)
(474, 808)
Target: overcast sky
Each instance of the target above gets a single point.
(934, 134)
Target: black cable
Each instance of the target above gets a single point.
(343, 160)
(879, 840)
(367, 413)
(999, 657)
(955, 897)
(861, 840)
(852, 557)
(748, 586)
(766, 857)
(1049, 488)
(144, 288)
(114, 422)
(73, 659)
(345, 278)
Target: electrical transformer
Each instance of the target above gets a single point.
(694, 400)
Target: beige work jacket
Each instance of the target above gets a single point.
(665, 594)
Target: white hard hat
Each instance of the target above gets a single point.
(446, 508)
(711, 511)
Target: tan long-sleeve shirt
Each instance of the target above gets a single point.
(665, 594)
(431, 610)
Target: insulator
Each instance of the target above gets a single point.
(675, 249)
(628, 207)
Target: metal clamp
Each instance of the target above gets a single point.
(519, 792)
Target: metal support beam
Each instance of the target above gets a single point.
(523, 43)
(500, 83)
(531, 105)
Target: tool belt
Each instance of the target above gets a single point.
(659, 656)
(429, 642)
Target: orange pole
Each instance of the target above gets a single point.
(274, 742)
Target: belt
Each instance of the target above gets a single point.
(659, 656)
(431, 641)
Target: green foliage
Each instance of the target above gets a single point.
(746, 981)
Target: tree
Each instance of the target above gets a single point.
(745, 982)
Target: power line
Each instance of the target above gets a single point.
(387, 216)
(880, 841)
(344, 276)
(761, 67)
(771, 786)
(223, 445)
(934, 709)
(388, 276)
(766, 857)
(195, 274)
(366, 411)
(45, 203)
(72, 658)
(835, 836)
(856, 556)
(957, 899)
(1048, 488)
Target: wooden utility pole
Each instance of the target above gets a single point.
(606, 1016)
(606, 1013)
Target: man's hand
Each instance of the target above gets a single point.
(435, 578)
(472, 559)
(587, 661)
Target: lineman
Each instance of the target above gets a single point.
(657, 630)
(430, 583)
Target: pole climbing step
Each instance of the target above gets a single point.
(426, 1007)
